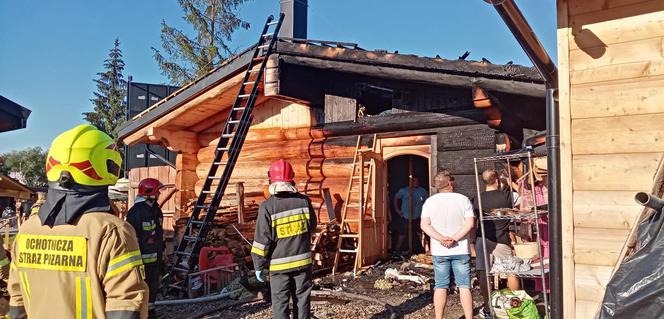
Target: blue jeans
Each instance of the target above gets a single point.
(459, 264)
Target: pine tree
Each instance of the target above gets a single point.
(109, 101)
(187, 57)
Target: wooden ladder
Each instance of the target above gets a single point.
(359, 186)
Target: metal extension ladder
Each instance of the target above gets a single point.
(359, 186)
(226, 154)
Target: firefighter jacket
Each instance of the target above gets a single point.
(4, 262)
(91, 268)
(146, 220)
(282, 241)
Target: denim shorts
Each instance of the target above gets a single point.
(459, 264)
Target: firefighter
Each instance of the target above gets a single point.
(282, 243)
(74, 258)
(146, 217)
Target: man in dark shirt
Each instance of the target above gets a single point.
(496, 234)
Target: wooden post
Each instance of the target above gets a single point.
(239, 191)
(410, 205)
(7, 225)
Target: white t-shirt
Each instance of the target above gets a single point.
(448, 212)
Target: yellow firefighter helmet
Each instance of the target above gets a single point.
(89, 155)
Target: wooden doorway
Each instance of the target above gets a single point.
(404, 171)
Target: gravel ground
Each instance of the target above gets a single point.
(413, 300)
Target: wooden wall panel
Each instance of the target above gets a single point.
(587, 6)
(585, 309)
(589, 280)
(618, 134)
(616, 54)
(461, 162)
(281, 114)
(605, 209)
(588, 32)
(617, 98)
(611, 101)
(631, 70)
(600, 247)
(468, 137)
(619, 172)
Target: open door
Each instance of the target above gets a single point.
(374, 227)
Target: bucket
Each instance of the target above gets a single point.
(525, 250)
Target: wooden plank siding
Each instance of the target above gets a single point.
(611, 110)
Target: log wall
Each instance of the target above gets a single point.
(611, 110)
(321, 159)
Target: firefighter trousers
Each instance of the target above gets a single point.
(284, 286)
(152, 278)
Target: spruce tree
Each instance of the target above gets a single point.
(109, 101)
(187, 58)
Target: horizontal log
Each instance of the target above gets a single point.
(210, 136)
(336, 185)
(303, 168)
(342, 146)
(404, 122)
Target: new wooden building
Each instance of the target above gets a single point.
(611, 113)
(317, 97)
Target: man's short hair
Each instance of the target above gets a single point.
(447, 172)
(490, 176)
(442, 179)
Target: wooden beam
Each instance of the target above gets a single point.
(404, 122)
(566, 181)
(239, 192)
(176, 141)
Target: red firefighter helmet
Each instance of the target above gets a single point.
(149, 187)
(281, 171)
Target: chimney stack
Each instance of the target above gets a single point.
(295, 20)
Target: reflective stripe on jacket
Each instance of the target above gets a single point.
(146, 221)
(92, 269)
(282, 241)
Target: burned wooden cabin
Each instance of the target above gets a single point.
(317, 97)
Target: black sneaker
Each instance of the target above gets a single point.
(486, 314)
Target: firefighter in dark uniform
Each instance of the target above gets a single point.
(146, 219)
(282, 243)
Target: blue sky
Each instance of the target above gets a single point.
(51, 50)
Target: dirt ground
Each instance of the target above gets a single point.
(410, 299)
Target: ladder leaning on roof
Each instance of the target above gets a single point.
(226, 154)
(359, 186)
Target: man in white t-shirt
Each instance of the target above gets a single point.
(447, 218)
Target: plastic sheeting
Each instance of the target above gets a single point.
(637, 288)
